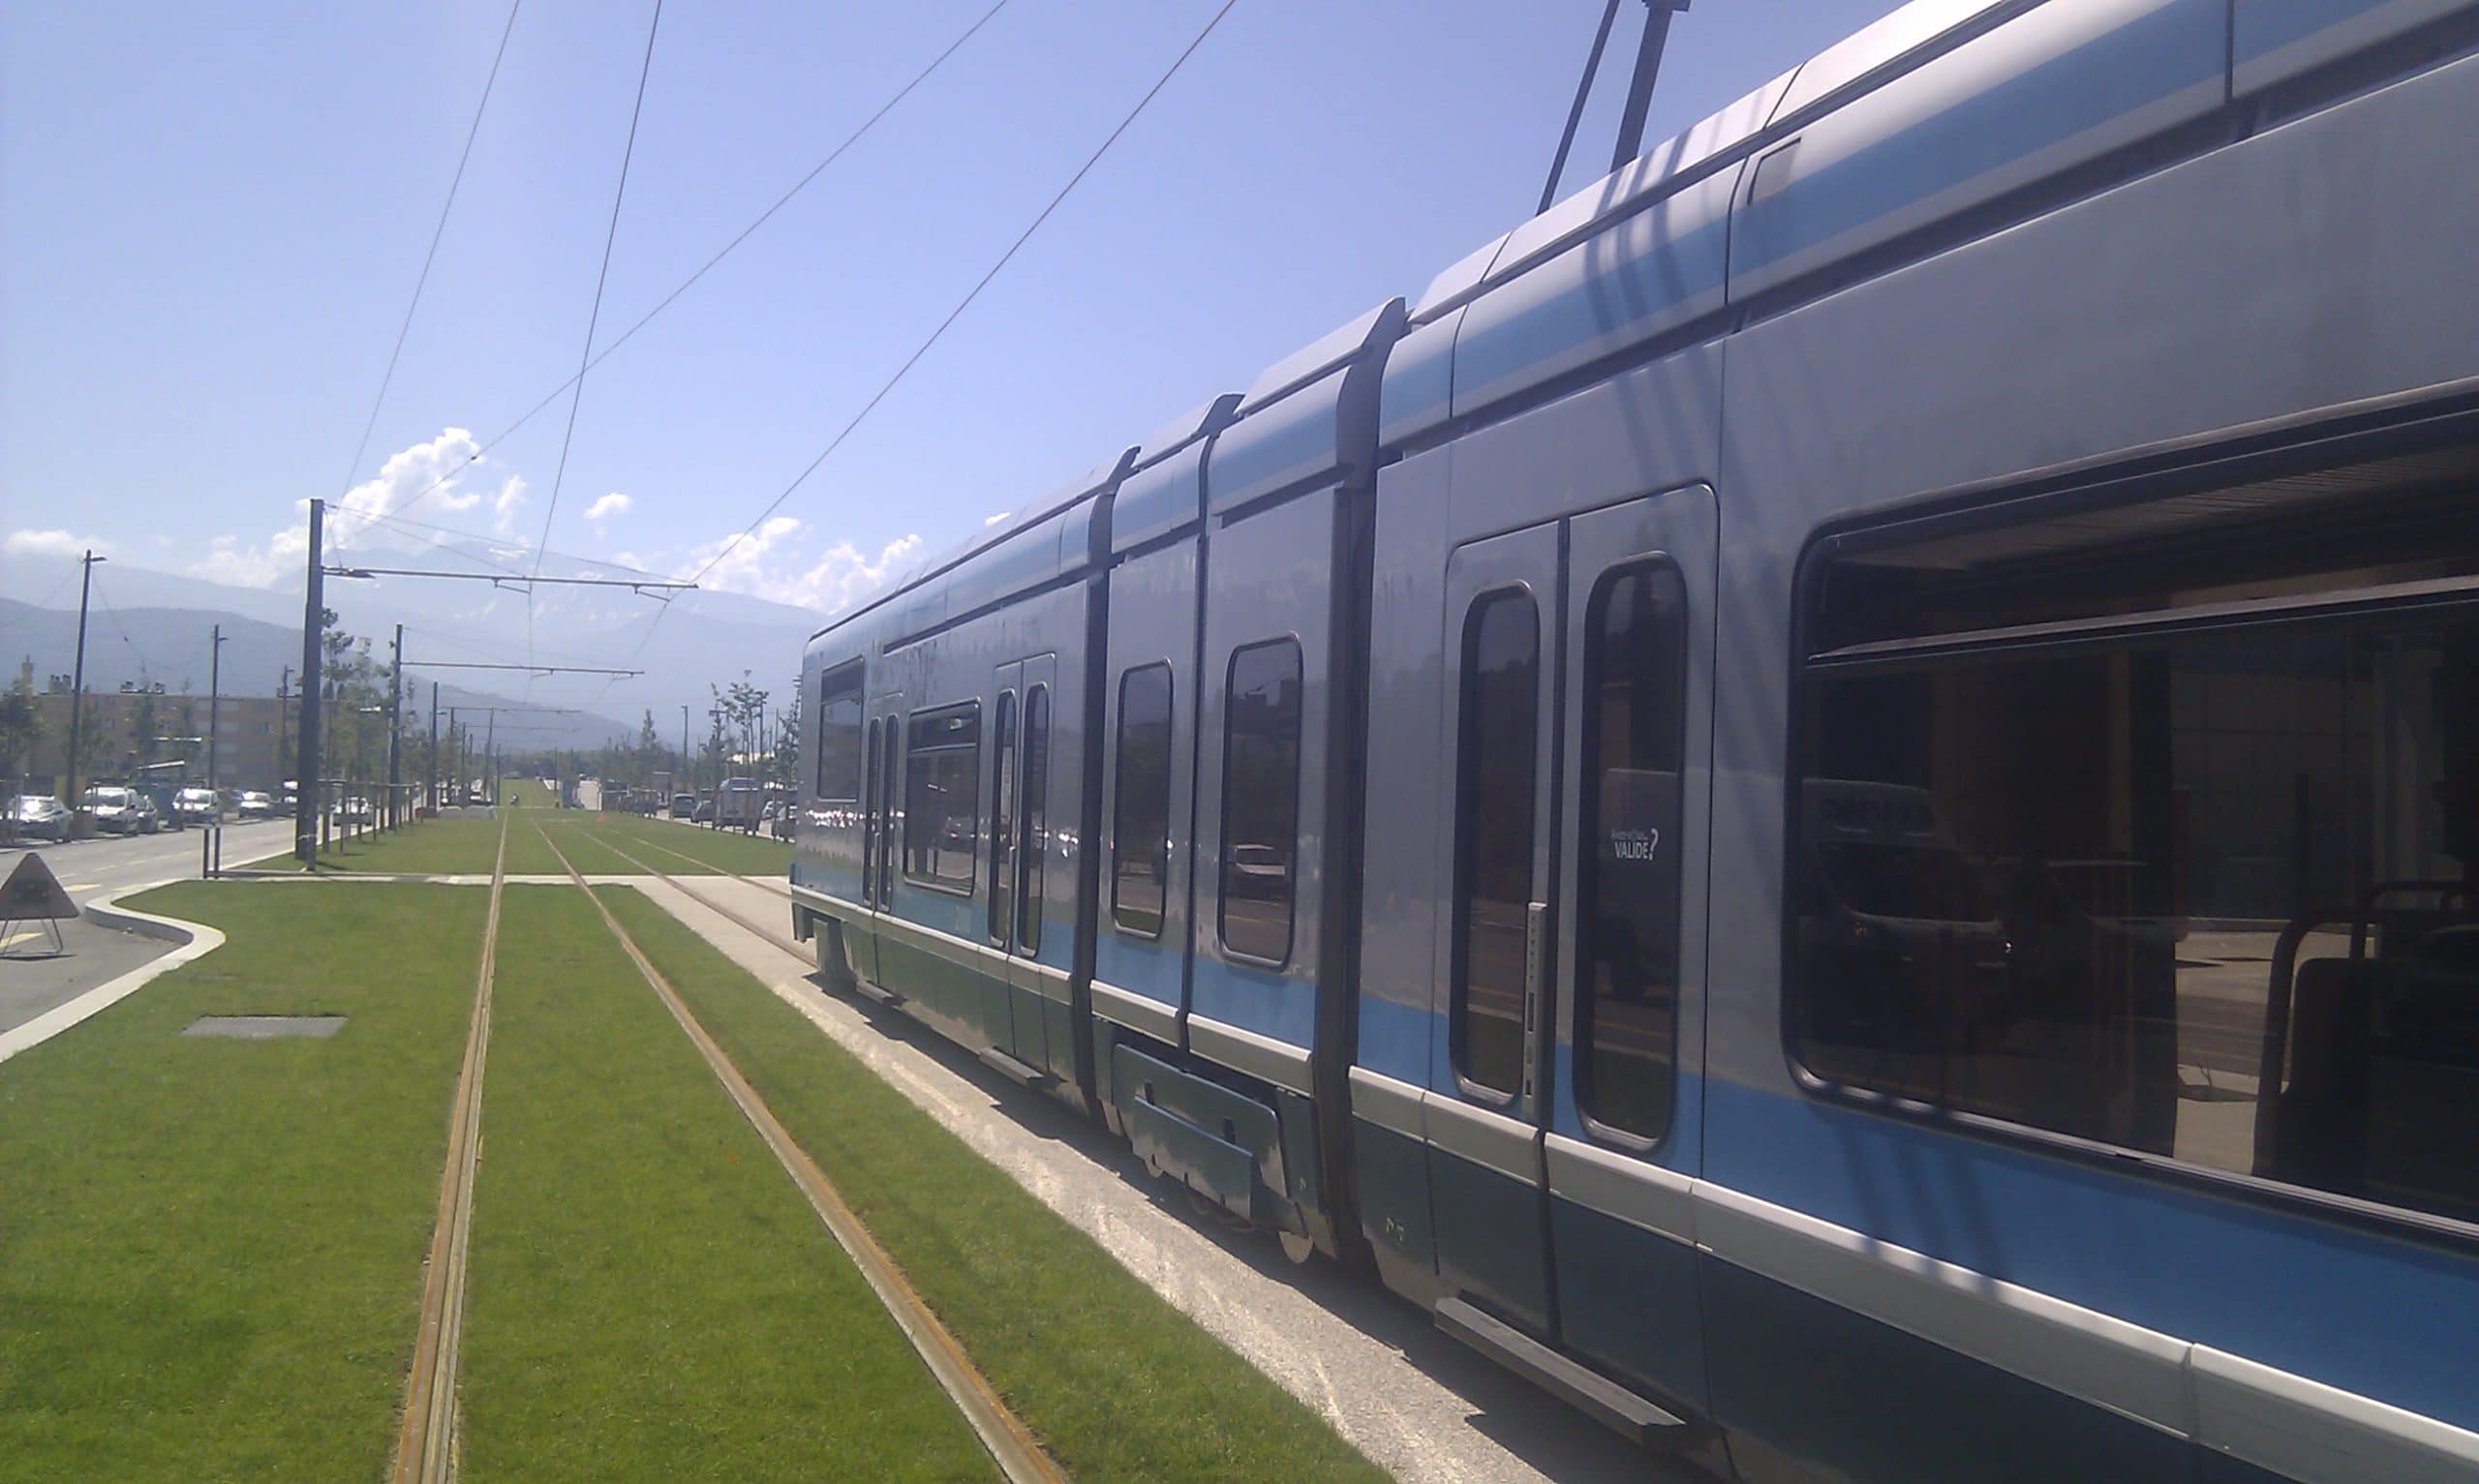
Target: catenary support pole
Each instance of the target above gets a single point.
(395, 728)
(308, 772)
(77, 695)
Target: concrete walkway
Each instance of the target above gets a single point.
(33, 979)
(1420, 1405)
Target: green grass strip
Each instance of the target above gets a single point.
(571, 834)
(1120, 1385)
(463, 845)
(649, 1295)
(211, 1250)
(527, 793)
(727, 852)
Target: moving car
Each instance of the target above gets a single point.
(198, 805)
(39, 817)
(256, 804)
(684, 806)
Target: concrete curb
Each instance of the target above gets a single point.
(195, 940)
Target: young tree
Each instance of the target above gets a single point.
(20, 727)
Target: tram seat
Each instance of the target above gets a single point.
(2382, 1100)
(2320, 1128)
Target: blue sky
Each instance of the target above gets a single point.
(211, 217)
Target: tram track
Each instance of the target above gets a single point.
(693, 895)
(775, 888)
(1011, 1444)
(426, 1438)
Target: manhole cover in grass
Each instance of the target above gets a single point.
(266, 1028)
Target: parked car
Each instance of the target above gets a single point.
(684, 806)
(256, 805)
(119, 810)
(198, 805)
(705, 814)
(39, 817)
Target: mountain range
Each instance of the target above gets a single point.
(156, 625)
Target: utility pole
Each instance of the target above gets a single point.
(491, 753)
(78, 691)
(433, 761)
(305, 760)
(214, 706)
(395, 688)
(685, 771)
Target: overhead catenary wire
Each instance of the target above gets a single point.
(499, 544)
(996, 268)
(423, 280)
(602, 276)
(727, 249)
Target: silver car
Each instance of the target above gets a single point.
(39, 817)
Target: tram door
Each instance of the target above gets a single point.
(1019, 839)
(881, 744)
(1560, 1143)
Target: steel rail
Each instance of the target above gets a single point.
(426, 1441)
(781, 889)
(1010, 1443)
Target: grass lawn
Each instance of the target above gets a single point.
(463, 845)
(211, 1251)
(527, 794)
(651, 1297)
(1120, 1385)
(719, 851)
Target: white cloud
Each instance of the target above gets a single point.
(1001, 518)
(429, 471)
(506, 504)
(769, 564)
(609, 506)
(52, 543)
(228, 563)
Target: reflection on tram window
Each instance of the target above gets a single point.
(1634, 697)
(839, 735)
(1002, 818)
(1036, 820)
(943, 796)
(1260, 799)
(1140, 813)
(2212, 896)
(1493, 868)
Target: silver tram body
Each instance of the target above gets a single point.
(1830, 798)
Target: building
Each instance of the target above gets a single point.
(132, 729)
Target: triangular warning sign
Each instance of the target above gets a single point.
(33, 895)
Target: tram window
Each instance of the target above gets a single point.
(1003, 819)
(943, 796)
(1036, 822)
(870, 828)
(839, 735)
(1494, 814)
(1635, 699)
(2208, 891)
(1140, 813)
(1260, 799)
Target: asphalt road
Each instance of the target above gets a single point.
(89, 868)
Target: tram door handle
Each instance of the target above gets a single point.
(1536, 931)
